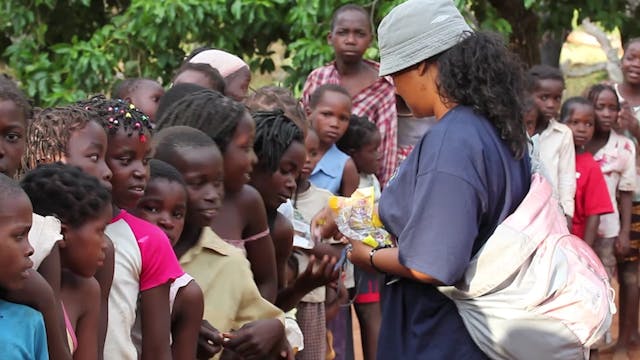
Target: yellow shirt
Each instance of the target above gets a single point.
(231, 297)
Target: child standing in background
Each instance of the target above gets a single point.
(144, 94)
(201, 75)
(372, 96)
(329, 112)
(592, 195)
(22, 333)
(616, 156)
(555, 143)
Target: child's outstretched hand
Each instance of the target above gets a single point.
(256, 340)
(209, 341)
(319, 272)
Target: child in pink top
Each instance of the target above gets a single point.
(145, 264)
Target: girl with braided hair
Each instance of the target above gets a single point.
(74, 136)
(281, 155)
(145, 264)
(242, 220)
(83, 206)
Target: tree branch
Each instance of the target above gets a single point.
(613, 64)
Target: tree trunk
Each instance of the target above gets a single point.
(551, 46)
(613, 63)
(524, 25)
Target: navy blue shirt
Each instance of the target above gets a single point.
(448, 197)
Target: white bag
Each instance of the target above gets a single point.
(534, 291)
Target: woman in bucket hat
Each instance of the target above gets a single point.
(464, 177)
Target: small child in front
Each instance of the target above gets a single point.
(22, 333)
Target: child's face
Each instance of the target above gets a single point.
(84, 247)
(239, 158)
(86, 149)
(12, 137)
(631, 63)
(582, 123)
(165, 204)
(277, 187)
(128, 158)
(15, 222)
(606, 108)
(203, 172)
(146, 97)
(548, 97)
(350, 36)
(368, 159)
(330, 118)
(530, 119)
(312, 145)
(237, 84)
(191, 76)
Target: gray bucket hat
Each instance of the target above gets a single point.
(417, 30)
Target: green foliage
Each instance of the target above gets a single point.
(63, 50)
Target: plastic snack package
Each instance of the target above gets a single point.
(357, 218)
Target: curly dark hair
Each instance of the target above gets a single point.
(358, 134)
(569, 106)
(10, 91)
(127, 87)
(481, 73)
(49, 132)
(274, 134)
(276, 97)
(65, 192)
(596, 90)
(216, 80)
(209, 111)
(116, 114)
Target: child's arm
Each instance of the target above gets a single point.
(282, 235)
(187, 317)
(260, 252)
(104, 275)
(350, 179)
(155, 322)
(624, 206)
(591, 229)
(319, 272)
(37, 294)
(567, 175)
(88, 323)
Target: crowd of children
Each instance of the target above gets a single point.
(177, 224)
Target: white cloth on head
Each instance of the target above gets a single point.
(222, 61)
